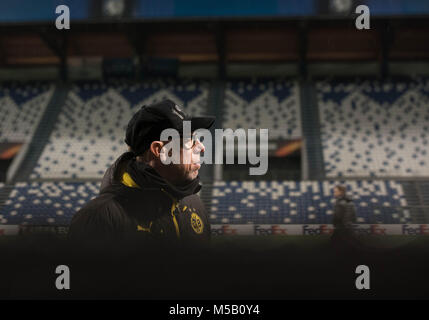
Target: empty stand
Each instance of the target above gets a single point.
(90, 130)
(264, 103)
(372, 128)
(424, 190)
(21, 108)
(368, 128)
(3, 198)
(46, 203)
(232, 202)
(292, 202)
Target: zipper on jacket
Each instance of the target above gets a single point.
(176, 225)
(129, 182)
(173, 208)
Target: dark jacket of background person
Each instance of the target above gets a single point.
(343, 238)
(136, 202)
(344, 213)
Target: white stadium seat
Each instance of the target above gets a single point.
(90, 131)
(21, 108)
(371, 128)
(265, 104)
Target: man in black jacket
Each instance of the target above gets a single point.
(343, 218)
(344, 210)
(140, 196)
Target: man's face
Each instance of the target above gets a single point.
(187, 170)
(337, 193)
(190, 159)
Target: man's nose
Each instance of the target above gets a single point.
(199, 147)
(202, 147)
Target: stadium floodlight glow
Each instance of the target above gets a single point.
(246, 147)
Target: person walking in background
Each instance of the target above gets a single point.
(343, 218)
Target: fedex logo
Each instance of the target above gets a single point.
(322, 229)
(224, 230)
(373, 229)
(422, 229)
(272, 230)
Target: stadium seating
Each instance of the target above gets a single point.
(267, 104)
(21, 108)
(46, 203)
(1, 216)
(424, 189)
(90, 131)
(1, 189)
(304, 202)
(232, 202)
(368, 129)
(372, 128)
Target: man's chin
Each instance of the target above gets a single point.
(194, 174)
(190, 176)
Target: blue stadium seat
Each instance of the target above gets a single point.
(21, 108)
(90, 130)
(264, 103)
(46, 203)
(372, 128)
(278, 202)
(233, 202)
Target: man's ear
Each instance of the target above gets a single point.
(156, 147)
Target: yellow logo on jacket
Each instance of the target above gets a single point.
(196, 223)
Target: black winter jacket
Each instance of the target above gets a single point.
(344, 213)
(154, 210)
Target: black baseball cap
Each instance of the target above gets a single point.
(147, 124)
